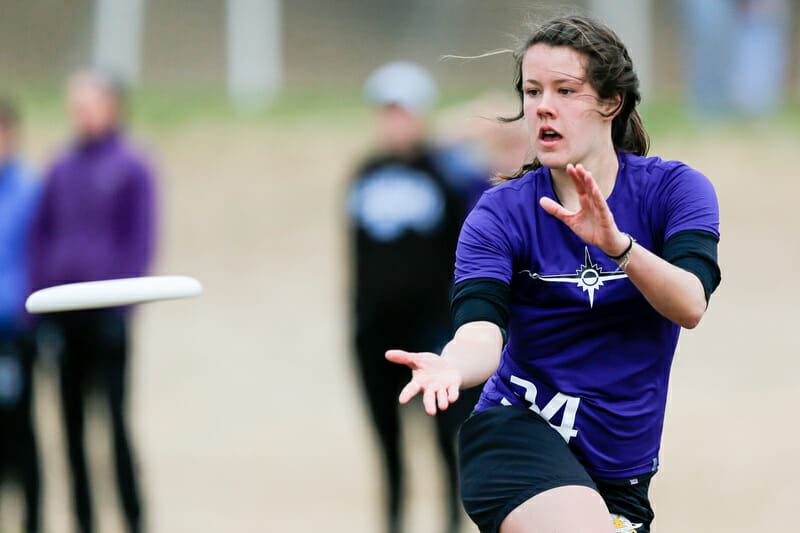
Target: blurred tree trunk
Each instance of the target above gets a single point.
(255, 58)
(633, 22)
(117, 37)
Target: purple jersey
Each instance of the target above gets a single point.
(96, 218)
(585, 350)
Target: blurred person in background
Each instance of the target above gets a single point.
(19, 456)
(738, 54)
(406, 204)
(95, 222)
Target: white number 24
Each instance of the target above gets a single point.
(560, 400)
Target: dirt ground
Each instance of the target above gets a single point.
(245, 410)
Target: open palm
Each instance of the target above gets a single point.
(593, 221)
(430, 373)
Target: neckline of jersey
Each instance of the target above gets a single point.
(621, 167)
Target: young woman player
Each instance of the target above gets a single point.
(591, 258)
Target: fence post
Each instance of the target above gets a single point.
(255, 58)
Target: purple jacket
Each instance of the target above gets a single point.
(96, 219)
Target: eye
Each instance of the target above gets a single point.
(565, 91)
(533, 92)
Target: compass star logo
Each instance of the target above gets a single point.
(590, 277)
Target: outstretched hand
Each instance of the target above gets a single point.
(593, 221)
(430, 373)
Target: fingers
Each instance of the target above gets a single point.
(411, 389)
(429, 401)
(555, 209)
(589, 192)
(442, 399)
(577, 173)
(431, 398)
(585, 186)
(427, 377)
(594, 191)
(452, 393)
(402, 357)
(587, 181)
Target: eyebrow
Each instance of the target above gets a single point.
(570, 79)
(566, 78)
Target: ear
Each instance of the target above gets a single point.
(612, 106)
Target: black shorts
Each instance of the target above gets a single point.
(509, 454)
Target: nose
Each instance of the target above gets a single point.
(545, 108)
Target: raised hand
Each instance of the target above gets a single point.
(593, 221)
(430, 373)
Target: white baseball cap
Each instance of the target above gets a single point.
(404, 84)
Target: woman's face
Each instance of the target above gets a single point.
(398, 129)
(92, 107)
(562, 110)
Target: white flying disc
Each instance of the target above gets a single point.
(112, 293)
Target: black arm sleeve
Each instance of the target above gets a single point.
(695, 251)
(481, 299)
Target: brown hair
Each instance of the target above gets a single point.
(609, 70)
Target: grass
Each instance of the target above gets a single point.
(165, 107)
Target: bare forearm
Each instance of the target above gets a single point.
(475, 351)
(672, 291)
(675, 293)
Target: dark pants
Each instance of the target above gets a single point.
(382, 383)
(510, 454)
(95, 356)
(19, 455)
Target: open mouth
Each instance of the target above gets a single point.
(548, 135)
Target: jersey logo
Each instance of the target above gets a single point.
(589, 277)
(395, 199)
